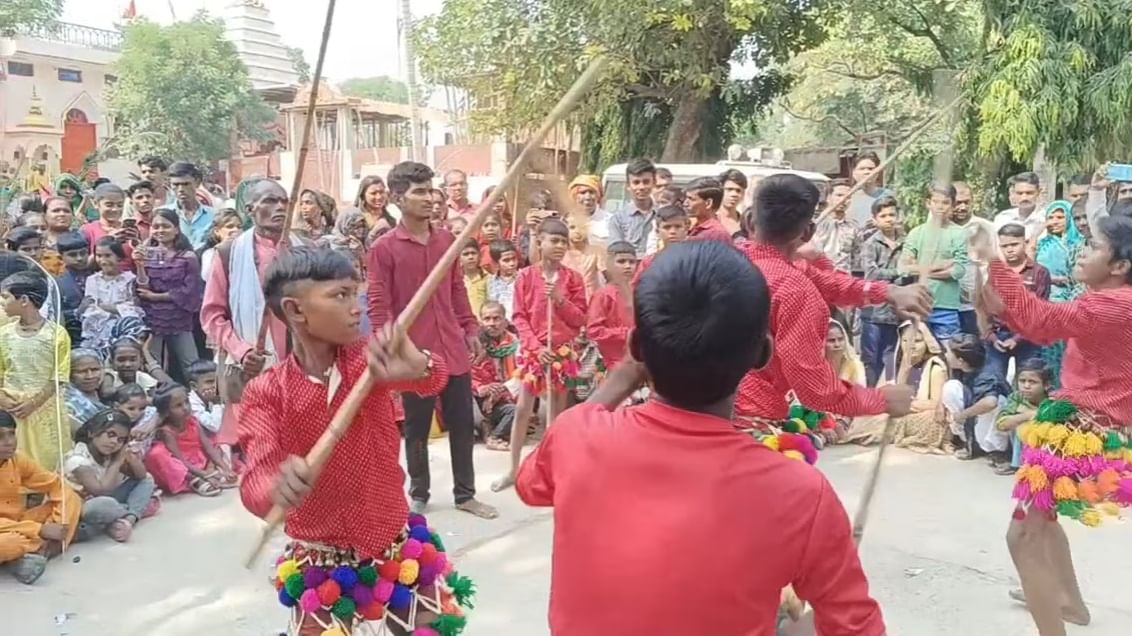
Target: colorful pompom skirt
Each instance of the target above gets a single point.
(793, 438)
(412, 589)
(1074, 464)
(563, 371)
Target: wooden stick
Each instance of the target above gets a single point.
(550, 345)
(304, 148)
(321, 451)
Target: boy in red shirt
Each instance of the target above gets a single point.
(672, 227)
(493, 381)
(611, 309)
(351, 558)
(674, 470)
(544, 346)
(703, 197)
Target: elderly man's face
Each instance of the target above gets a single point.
(268, 207)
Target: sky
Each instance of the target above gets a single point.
(363, 39)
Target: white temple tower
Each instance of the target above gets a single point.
(250, 28)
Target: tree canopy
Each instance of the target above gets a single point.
(381, 88)
(182, 92)
(20, 15)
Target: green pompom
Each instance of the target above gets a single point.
(1071, 509)
(1112, 441)
(449, 624)
(1056, 411)
(367, 575)
(791, 426)
(435, 538)
(295, 586)
(344, 608)
(463, 588)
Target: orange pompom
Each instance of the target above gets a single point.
(1088, 491)
(373, 612)
(1108, 481)
(389, 571)
(329, 592)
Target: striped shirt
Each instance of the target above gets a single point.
(634, 225)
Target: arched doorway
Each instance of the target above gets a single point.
(79, 141)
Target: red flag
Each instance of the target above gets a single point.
(131, 11)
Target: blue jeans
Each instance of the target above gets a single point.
(944, 324)
(999, 361)
(878, 347)
(969, 322)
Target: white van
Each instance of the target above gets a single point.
(613, 179)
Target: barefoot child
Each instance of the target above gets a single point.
(30, 536)
(351, 559)
(545, 346)
(674, 467)
(183, 457)
(493, 378)
(1075, 462)
(1033, 382)
(610, 314)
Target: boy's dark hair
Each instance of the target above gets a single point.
(32, 203)
(638, 167)
(1117, 230)
(499, 247)
(969, 349)
(1013, 230)
(138, 187)
(707, 188)
(470, 244)
(71, 242)
(403, 175)
(671, 213)
(108, 189)
(153, 161)
(201, 368)
(554, 227)
(885, 202)
(734, 176)
(868, 154)
(784, 205)
(303, 264)
(1027, 177)
(99, 181)
(127, 392)
(126, 342)
(702, 311)
(21, 235)
(163, 396)
(839, 182)
(676, 193)
(1081, 180)
(112, 244)
(99, 422)
(6, 420)
(30, 283)
(185, 169)
(663, 173)
(542, 200)
(620, 247)
(1038, 366)
(942, 189)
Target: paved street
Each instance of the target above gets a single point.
(933, 551)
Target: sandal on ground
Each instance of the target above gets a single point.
(203, 487)
(1005, 469)
(121, 530)
(153, 507)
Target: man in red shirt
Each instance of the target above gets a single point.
(349, 524)
(610, 313)
(676, 471)
(399, 262)
(800, 315)
(702, 198)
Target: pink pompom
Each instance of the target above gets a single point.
(1043, 500)
(1123, 494)
(425, 631)
(1022, 490)
(441, 562)
(411, 549)
(383, 591)
(309, 602)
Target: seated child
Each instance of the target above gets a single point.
(75, 252)
(545, 347)
(610, 314)
(501, 285)
(493, 378)
(972, 399)
(475, 277)
(127, 357)
(111, 295)
(182, 457)
(1033, 382)
(701, 318)
(109, 475)
(204, 395)
(30, 536)
(133, 400)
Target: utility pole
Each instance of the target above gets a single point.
(416, 145)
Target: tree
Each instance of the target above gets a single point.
(381, 88)
(300, 64)
(671, 59)
(23, 15)
(183, 93)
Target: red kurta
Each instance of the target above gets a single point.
(799, 320)
(607, 324)
(675, 554)
(1098, 355)
(711, 230)
(529, 312)
(359, 499)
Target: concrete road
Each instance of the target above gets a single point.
(934, 553)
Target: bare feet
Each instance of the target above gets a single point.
(503, 483)
(478, 508)
(1076, 615)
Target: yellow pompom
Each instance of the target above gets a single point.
(334, 631)
(1022, 473)
(802, 428)
(1064, 489)
(1030, 435)
(1094, 445)
(1056, 434)
(1109, 509)
(286, 569)
(793, 454)
(1037, 478)
(1091, 518)
(410, 569)
(771, 442)
(1076, 445)
(1128, 455)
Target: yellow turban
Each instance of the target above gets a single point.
(591, 181)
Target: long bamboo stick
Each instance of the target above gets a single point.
(321, 451)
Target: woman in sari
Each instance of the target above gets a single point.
(81, 395)
(843, 358)
(316, 214)
(1057, 250)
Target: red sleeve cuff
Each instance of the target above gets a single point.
(876, 292)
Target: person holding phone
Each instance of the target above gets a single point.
(110, 200)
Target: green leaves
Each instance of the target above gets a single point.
(21, 15)
(183, 93)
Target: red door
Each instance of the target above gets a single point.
(79, 141)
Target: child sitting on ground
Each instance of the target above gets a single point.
(204, 396)
(31, 536)
(972, 400)
(183, 458)
(1033, 382)
(110, 476)
(127, 358)
(133, 400)
(501, 285)
(493, 378)
(702, 314)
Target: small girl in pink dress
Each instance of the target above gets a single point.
(182, 457)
